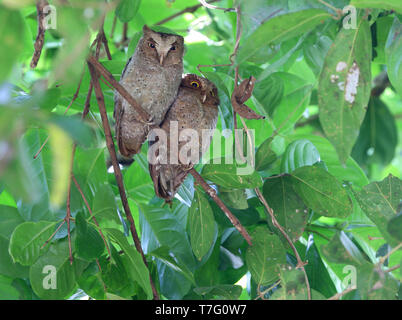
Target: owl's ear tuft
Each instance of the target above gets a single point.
(146, 29)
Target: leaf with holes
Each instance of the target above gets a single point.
(344, 87)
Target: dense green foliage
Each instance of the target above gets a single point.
(327, 156)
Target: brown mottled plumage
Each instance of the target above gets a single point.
(195, 107)
(152, 76)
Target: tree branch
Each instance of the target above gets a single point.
(40, 38)
(300, 263)
(212, 193)
(144, 116)
(116, 168)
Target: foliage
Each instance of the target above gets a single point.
(327, 156)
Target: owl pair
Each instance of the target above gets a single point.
(153, 76)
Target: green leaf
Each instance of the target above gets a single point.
(61, 151)
(52, 276)
(265, 156)
(344, 87)
(298, 154)
(229, 176)
(279, 29)
(378, 136)
(288, 208)
(234, 198)
(168, 232)
(9, 219)
(88, 242)
(317, 272)
(7, 290)
(342, 250)
(202, 225)
(265, 256)
(321, 192)
(380, 201)
(374, 284)
(223, 291)
(7, 266)
(294, 287)
(351, 172)
(137, 271)
(393, 54)
(27, 240)
(127, 9)
(12, 30)
(380, 4)
(395, 227)
(162, 253)
(269, 93)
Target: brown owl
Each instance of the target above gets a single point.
(152, 76)
(189, 124)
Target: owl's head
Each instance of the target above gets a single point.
(163, 48)
(207, 91)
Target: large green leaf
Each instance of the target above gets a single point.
(393, 54)
(378, 136)
(380, 4)
(342, 250)
(321, 192)
(137, 271)
(265, 256)
(380, 201)
(229, 176)
(344, 87)
(52, 276)
(12, 29)
(348, 172)
(224, 291)
(127, 9)
(27, 240)
(288, 208)
(89, 244)
(374, 284)
(279, 29)
(9, 220)
(202, 225)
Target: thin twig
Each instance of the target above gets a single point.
(261, 294)
(212, 193)
(116, 168)
(384, 258)
(40, 38)
(300, 263)
(210, 6)
(396, 267)
(53, 234)
(341, 294)
(191, 9)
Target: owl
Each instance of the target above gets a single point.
(152, 76)
(193, 115)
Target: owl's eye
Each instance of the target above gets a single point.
(173, 48)
(194, 84)
(151, 45)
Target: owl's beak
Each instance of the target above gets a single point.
(204, 97)
(161, 59)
